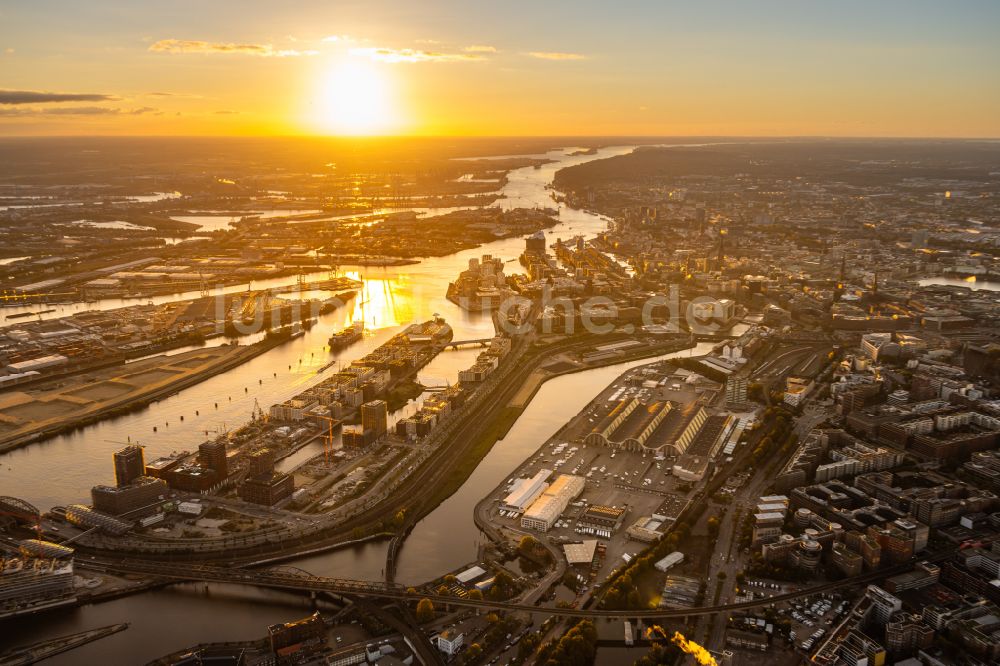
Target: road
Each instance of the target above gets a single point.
(298, 582)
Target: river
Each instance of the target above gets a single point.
(62, 469)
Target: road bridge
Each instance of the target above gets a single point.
(458, 344)
(294, 581)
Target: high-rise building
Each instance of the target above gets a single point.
(883, 604)
(212, 455)
(375, 417)
(129, 465)
(260, 462)
(736, 391)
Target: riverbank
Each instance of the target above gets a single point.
(28, 418)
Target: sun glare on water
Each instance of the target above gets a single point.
(355, 98)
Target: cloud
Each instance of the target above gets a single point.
(80, 111)
(35, 97)
(194, 46)
(226, 112)
(480, 48)
(383, 54)
(556, 55)
(9, 51)
(338, 38)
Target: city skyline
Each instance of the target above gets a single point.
(642, 69)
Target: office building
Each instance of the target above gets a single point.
(142, 495)
(129, 465)
(212, 455)
(375, 417)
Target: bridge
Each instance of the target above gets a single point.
(301, 582)
(459, 344)
(19, 511)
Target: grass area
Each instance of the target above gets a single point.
(470, 459)
(402, 393)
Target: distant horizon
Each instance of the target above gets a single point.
(588, 137)
(773, 68)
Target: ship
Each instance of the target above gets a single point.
(436, 331)
(348, 336)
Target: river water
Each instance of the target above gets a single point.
(61, 470)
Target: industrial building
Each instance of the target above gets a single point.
(545, 510)
(669, 561)
(580, 554)
(599, 517)
(525, 491)
(663, 426)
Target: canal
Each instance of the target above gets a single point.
(62, 469)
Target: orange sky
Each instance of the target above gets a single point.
(445, 68)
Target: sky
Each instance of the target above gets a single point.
(511, 68)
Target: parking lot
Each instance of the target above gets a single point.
(639, 483)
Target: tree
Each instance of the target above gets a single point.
(475, 595)
(528, 645)
(425, 610)
(713, 526)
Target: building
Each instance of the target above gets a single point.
(847, 561)
(375, 417)
(600, 517)
(268, 488)
(28, 584)
(747, 640)
(580, 554)
(129, 464)
(288, 639)
(906, 632)
(85, 517)
(736, 391)
(669, 561)
(883, 604)
(450, 642)
(859, 649)
(525, 491)
(212, 455)
(545, 510)
(141, 495)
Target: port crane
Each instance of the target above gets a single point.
(328, 438)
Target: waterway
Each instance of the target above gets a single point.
(972, 282)
(62, 469)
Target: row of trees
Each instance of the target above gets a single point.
(779, 437)
(577, 647)
(625, 592)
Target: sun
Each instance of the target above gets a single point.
(355, 98)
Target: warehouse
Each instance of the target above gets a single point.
(545, 510)
(580, 554)
(600, 517)
(525, 491)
